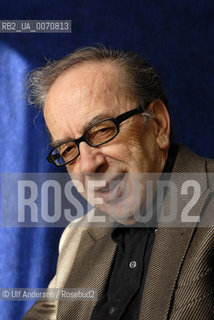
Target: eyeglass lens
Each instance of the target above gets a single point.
(98, 134)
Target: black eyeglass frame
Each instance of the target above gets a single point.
(117, 121)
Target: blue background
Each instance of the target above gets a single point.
(176, 37)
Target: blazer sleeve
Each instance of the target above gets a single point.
(47, 309)
(43, 310)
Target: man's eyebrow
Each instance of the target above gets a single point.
(54, 143)
(89, 123)
(97, 118)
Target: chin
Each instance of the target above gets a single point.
(127, 222)
(126, 218)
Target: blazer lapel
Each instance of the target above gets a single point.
(172, 241)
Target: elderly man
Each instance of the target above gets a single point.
(108, 120)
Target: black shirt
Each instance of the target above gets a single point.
(123, 293)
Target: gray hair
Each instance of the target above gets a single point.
(141, 78)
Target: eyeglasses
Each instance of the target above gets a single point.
(96, 135)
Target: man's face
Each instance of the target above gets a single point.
(90, 92)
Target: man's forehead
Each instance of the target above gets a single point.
(96, 81)
(90, 73)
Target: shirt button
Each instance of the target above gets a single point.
(111, 310)
(156, 231)
(132, 264)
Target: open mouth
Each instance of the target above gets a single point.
(113, 188)
(110, 185)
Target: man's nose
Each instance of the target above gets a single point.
(91, 159)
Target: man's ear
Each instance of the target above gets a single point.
(161, 123)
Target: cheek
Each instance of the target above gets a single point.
(119, 151)
(73, 169)
(125, 149)
(143, 152)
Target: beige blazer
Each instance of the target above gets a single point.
(180, 277)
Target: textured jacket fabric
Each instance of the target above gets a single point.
(180, 277)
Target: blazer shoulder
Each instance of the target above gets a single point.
(188, 161)
(210, 173)
(209, 164)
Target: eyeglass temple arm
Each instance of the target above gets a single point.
(128, 114)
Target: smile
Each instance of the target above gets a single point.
(113, 189)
